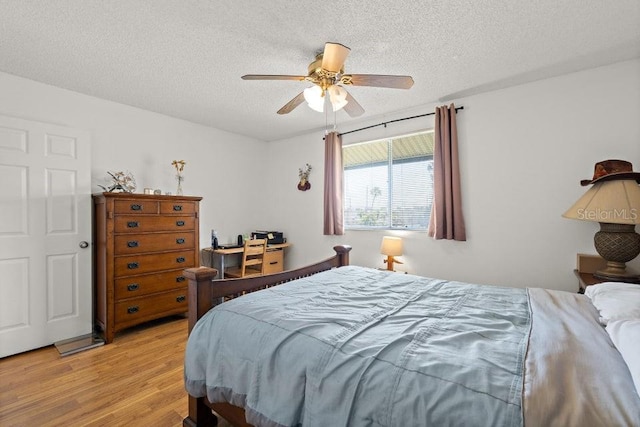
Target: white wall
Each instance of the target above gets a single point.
(130, 139)
(523, 151)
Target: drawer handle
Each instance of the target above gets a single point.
(273, 262)
(180, 279)
(132, 243)
(133, 287)
(133, 309)
(180, 241)
(180, 259)
(132, 224)
(181, 298)
(133, 265)
(180, 223)
(136, 207)
(177, 208)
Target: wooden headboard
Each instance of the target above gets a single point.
(205, 292)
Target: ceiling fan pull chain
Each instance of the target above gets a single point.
(326, 115)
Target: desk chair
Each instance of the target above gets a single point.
(252, 259)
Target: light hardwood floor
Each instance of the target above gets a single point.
(136, 380)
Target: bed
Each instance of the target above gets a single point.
(339, 345)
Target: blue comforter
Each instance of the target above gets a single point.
(361, 347)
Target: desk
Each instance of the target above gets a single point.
(274, 258)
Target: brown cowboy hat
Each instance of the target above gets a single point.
(612, 169)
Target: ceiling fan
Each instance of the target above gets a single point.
(326, 72)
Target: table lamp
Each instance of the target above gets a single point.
(614, 202)
(391, 247)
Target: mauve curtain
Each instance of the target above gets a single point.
(446, 220)
(333, 179)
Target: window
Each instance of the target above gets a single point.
(389, 183)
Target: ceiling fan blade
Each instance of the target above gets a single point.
(334, 56)
(289, 106)
(353, 108)
(272, 77)
(377, 80)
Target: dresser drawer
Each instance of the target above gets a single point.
(135, 286)
(140, 243)
(181, 207)
(143, 224)
(133, 311)
(135, 207)
(273, 261)
(146, 263)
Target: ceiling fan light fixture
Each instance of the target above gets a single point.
(339, 105)
(317, 106)
(313, 94)
(338, 97)
(315, 98)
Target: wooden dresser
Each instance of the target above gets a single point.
(142, 244)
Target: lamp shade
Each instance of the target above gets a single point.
(613, 202)
(315, 97)
(338, 97)
(391, 246)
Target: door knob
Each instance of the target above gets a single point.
(84, 244)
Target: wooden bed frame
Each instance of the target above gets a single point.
(204, 293)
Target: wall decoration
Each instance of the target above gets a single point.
(121, 182)
(179, 165)
(303, 174)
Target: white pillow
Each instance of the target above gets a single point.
(625, 335)
(615, 300)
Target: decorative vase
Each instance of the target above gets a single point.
(179, 189)
(304, 185)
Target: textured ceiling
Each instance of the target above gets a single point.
(185, 58)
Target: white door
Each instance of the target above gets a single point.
(45, 222)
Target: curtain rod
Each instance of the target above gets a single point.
(393, 121)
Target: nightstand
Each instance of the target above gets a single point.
(587, 279)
